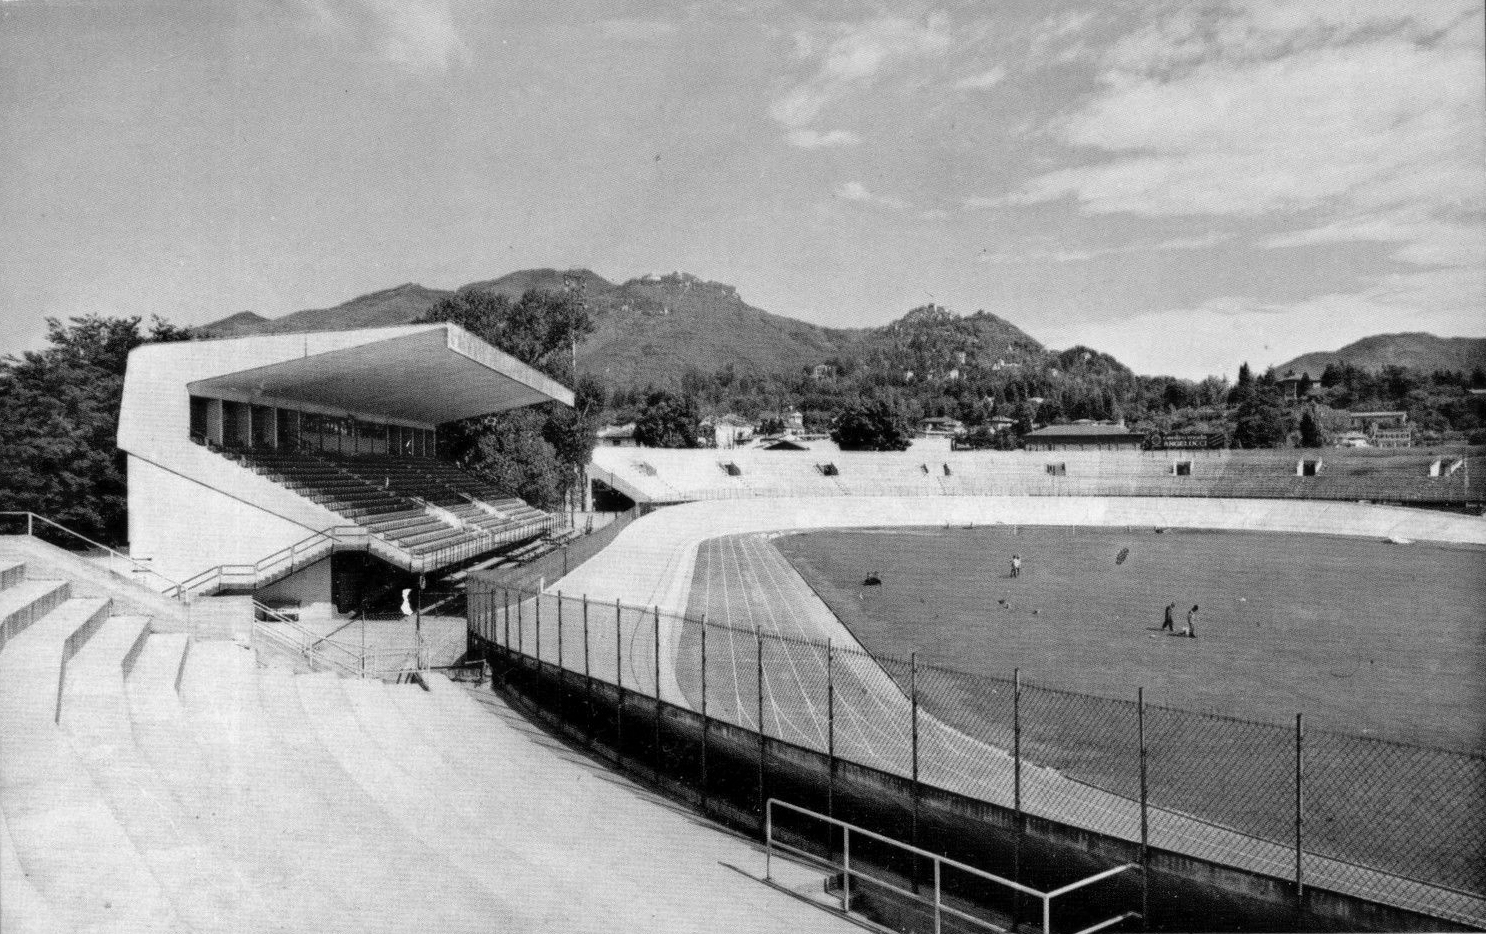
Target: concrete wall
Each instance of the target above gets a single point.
(210, 511)
(309, 587)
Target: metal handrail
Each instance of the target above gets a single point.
(939, 862)
(135, 563)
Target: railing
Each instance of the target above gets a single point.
(324, 654)
(1390, 823)
(939, 863)
(138, 566)
(280, 563)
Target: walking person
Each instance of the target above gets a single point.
(1168, 624)
(1016, 565)
(1191, 631)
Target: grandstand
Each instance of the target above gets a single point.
(287, 449)
(1405, 476)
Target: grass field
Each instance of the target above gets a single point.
(1360, 635)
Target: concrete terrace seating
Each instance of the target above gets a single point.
(418, 504)
(149, 782)
(655, 475)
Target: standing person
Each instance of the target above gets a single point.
(1191, 631)
(1016, 565)
(1168, 623)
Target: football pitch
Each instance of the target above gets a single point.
(1361, 635)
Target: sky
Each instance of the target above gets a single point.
(1187, 185)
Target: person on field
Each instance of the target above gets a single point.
(1191, 631)
(1016, 565)
(1168, 624)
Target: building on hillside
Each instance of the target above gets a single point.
(940, 426)
(1084, 436)
(617, 436)
(727, 431)
(794, 423)
(822, 372)
(301, 467)
(1383, 429)
(1295, 388)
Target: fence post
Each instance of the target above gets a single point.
(1016, 785)
(657, 696)
(520, 628)
(830, 732)
(587, 675)
(913, 748)
(704, 713)
(1145, 839)
(1299, 810)
(562, 678)
(759, 678)
(619, 680)
(537, 625)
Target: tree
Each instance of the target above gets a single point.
(59, 430)
(1244, 387)
(1260, 420)
(1311, 433)
(872, 425)
(771, 425)
(538, 453)
(667, 421)
(540, 329)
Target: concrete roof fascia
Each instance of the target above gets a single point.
(382, 381)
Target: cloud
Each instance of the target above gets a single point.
(1426, 242)
(1045, 255)
(637, 30)
(1367, 121)
(815, 139)
(856, 191)
(418, 36)
(1213, 337)
(855, 57)
(985, 79)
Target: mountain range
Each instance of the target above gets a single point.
(1414, 350)
(651, 329)
(654, 328)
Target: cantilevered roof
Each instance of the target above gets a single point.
(435, 374)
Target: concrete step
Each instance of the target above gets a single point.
(207, 892)
(258, 802)
(26, 601)
(11, 573)
(98, 667)
(35, 690)
(23, 910)
(153, 680)
(435, 888)
(67, 840)
(518, 875)
(577, 806)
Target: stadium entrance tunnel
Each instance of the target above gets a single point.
(727, 773)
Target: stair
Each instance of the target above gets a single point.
(66, 840)
(152, 782)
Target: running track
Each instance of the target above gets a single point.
(743, 582)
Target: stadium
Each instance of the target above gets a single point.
(694, 713)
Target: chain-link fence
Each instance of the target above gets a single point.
(1383, 822)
